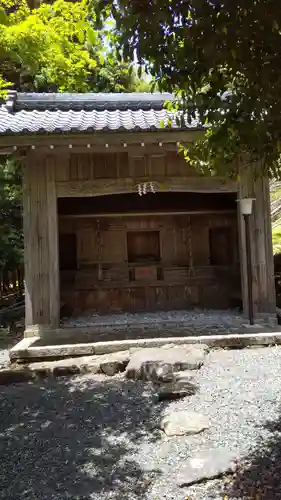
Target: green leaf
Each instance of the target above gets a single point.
(91, 35)
(3, 16)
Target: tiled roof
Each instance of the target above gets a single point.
(61, 113)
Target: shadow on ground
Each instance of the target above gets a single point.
(75, 439)
(260, 479)
(10, 337)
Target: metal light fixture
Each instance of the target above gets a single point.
(246, 206)
(246, 209)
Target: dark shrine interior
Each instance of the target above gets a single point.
(150, 202)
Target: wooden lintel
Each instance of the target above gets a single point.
(144, 214)
(101, 187)
(6, 151)
(133, 148)
(100, 138)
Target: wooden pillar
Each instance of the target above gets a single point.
(41, 242)
(254, 184)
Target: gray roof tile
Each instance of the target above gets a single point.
(62, 113)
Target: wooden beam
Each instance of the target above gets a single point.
(52, 212)
(40, 243)
(35, 243)
(100, 138)
(101, 187)
(88, 148)
(253, 184)
(27, 227)
(144, 214)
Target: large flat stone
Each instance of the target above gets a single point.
(206, 466)
(158, 363)
(182, 423)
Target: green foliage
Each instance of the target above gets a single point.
(201, 49)
(58, 47)
(11, 240)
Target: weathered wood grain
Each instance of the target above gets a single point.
(254, 184)
(130, 185)
(40, 242)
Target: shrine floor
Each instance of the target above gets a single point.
(160, 324)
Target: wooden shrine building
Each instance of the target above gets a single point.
(94, 245)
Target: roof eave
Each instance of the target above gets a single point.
(99, 138)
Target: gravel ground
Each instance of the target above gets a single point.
(4, 358)
(95, 438)
(7, 340)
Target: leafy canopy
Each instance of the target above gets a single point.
(55, 47)
(58, 47)
(201, 49)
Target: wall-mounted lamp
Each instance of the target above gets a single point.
(246, 206)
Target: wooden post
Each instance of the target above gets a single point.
(40, 242)
(253, 184)
(52, 211)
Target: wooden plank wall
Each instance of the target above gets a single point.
(183, 278)
(81, 167)
(91, 174)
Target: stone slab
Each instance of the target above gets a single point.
(206, 466)
(109, 364)
(28, 348)
(184, 423)
(152, 363)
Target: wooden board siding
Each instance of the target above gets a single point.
(181, 277)
(121, 165)
(93, 174)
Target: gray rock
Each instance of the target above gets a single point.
(184, 376)
(177, 389)
(110, 364)
(164, 373)
(182, 423)
(154, 363)
(66, 366)
(206, 466)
